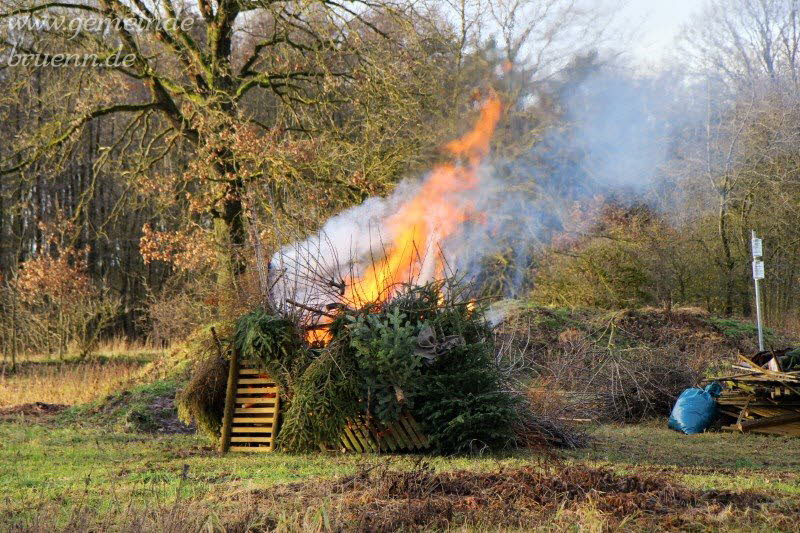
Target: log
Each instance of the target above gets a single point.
(779, 420)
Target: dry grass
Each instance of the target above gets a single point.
(125, 346)
(65, 383)
(645, 477)
(554, 497)
(117, 347)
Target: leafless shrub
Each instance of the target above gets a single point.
(615, 383)
(624, 367)
(179, 310)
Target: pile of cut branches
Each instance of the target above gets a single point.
(627, 366)
(427, 352)
(202, 400)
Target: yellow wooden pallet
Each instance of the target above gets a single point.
(360, 435)
(252, 407)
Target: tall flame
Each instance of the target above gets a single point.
(437, 210)
(417, 229)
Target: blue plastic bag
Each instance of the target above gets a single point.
(695, 409)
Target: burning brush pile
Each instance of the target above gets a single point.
(367, 321)
(424, 353)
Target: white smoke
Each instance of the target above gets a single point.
(617, 140)
(346, 246)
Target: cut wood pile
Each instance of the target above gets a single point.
(763, 395)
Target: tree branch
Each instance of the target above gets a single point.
(75, 126)
(49, 5)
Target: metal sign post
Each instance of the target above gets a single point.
(758, 275)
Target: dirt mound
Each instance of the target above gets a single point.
(383, 500)
(691, 330)
(36, 410)
(145, 412)
(148, 408)
(165, 417)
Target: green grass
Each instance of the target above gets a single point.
(718, 461)
(69, 466)
(99, 468)
(737, 329)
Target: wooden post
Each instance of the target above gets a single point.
(230, 402)
(275, 417)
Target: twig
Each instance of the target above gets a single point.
(338, 285)
(311, 327)
(309, 308)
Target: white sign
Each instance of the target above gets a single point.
(758, 269)
(758, 249)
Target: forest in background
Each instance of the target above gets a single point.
(134, 198)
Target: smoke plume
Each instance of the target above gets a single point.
(611, 139)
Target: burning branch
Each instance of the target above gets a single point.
(317, 271)
(309, 308)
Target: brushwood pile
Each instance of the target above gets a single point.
(426, 352)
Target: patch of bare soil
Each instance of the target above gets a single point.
(385, 500)
(36, 410)
(166, 417)
(151, 410)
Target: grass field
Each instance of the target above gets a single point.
(58, 475)
(73, 380)
(94, 467)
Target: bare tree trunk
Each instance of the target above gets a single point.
(225, 276)
(728, 261)
(14, 340)
(61, 330)
(230, 240)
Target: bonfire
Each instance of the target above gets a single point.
(402, 244)
(375, 332)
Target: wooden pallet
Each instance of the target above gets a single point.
(361, 436)
(252, 407)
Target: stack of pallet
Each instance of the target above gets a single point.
(252, 410)
(763, 396)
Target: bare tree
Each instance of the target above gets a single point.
(745, 43)
(544, 36)
(176, 69)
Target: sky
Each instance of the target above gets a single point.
(658, 23)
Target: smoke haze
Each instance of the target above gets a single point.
(616, 140)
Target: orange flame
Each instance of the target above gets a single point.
(424, 221)
(428, 218)
(319, 336)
